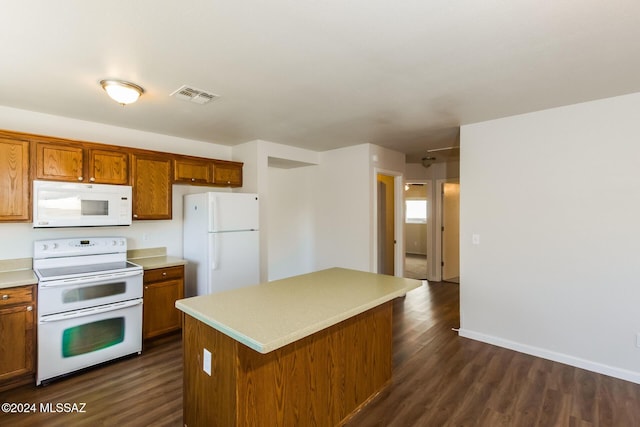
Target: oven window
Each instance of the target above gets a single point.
(93, 292)
(92, 336)
(94, 207)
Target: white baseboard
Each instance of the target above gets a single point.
(577, 362)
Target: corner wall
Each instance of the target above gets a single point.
(554, 199)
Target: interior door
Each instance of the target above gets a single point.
(386, 225)
(451, 232)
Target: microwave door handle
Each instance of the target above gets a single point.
(89, 311)
(87, 281)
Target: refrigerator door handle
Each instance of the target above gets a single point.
(214, 242)
(213, 214)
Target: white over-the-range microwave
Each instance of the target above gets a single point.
(70, 204)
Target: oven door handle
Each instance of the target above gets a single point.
(90, 311)
(88, 280)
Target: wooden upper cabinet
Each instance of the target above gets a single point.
(108, 167)
(59, 162)
(24, 157)
(14, 180)
(151, 181)
(227, 173)
(202, 171)
(193, 171)
(81, 163)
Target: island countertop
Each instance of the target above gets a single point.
(271, 315)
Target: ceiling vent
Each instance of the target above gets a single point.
(197, 96)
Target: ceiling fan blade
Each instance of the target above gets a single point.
(433, 150)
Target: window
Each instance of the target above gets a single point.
(416, 211)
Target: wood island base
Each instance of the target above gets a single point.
(319, 380)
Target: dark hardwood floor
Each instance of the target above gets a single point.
(439, 379)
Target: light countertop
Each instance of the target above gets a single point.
(150, 258)
(17, 272)
(149, 263)
(271, 315)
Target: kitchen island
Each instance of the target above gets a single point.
(306, 350)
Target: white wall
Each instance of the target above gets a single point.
(290, 222)
(342, 203)
(554, 197)
(17, 238)
(280, 191)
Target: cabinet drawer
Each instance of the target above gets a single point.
(17, 295)
(159, 274)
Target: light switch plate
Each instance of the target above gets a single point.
(475, 239)
(206, 361)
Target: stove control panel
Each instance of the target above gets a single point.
(55, 248)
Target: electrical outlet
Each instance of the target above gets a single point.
(475, 239)
(206, 361)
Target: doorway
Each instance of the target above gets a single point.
(451, 232)
(416, 229)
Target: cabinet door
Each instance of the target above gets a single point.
(16, 342)
(17, 336)
(59, 162)
(159, 312)
(108, 167)
(227, 174)
(14, 180)
(192, 171)
(151, 180)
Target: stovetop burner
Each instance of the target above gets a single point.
(52, 273)
(58, 259)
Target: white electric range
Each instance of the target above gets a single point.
(89, 304)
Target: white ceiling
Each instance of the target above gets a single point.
(317, 74)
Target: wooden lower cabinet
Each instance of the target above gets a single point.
(17, 336)
(319, 380)
(162, 287)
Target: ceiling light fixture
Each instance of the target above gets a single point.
(122, 92)
(428, 161)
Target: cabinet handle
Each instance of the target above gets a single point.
(193, 180)
(92, 179)
(80, 178)
(146, 287)
(29, 308)
(135, 215)
(5, 297)
(164, 273)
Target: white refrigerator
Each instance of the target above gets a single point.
(221, 242)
